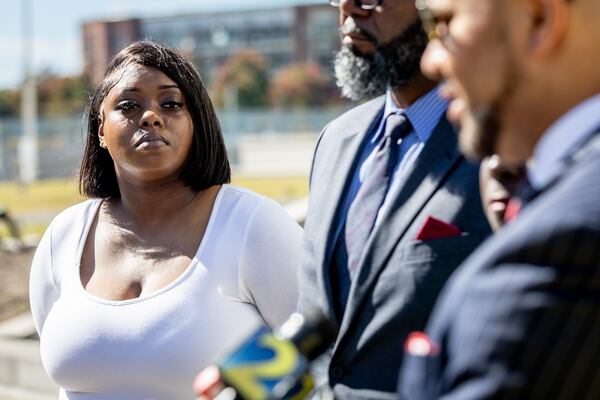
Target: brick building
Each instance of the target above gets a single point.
(302, 33)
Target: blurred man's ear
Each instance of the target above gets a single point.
(549, 22)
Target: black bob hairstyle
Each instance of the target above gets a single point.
(207, 163)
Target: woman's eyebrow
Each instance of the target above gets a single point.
(137, 90)
(164, 87)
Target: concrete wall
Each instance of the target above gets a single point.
(272, 154)
(22, 376)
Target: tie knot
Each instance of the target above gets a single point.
(397, 126)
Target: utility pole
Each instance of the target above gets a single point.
(28, 144)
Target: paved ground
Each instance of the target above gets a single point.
(14, 279)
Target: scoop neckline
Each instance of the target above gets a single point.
(182, 277)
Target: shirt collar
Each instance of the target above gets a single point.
(424, 114)
(561, 140)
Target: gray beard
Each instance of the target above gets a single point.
(394, 64)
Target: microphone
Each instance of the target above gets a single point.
(270, 365)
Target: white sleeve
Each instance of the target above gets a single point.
(269, 262)
(43, 290)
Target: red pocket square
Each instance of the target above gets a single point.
(434, 228)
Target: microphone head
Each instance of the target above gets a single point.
(311, 332)
(271, 365)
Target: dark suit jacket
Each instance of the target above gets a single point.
(521, 318)
(398, 278)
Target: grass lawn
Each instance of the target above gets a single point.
(46, 195)
(34, 205)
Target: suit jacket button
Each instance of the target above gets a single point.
(337, 372)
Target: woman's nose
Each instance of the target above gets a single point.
(150, 118)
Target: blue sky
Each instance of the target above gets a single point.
(57, 27)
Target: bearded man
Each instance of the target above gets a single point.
(394, 207)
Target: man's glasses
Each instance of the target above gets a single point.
(363, 4)
(435, 27)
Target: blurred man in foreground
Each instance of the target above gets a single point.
(521, 318)
(394, 207)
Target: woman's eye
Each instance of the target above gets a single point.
(125, 106)
(173, 104)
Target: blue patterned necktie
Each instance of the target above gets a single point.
(365, 207)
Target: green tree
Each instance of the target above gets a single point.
(61, 95)
(10, 103)
(56, 96)
(244, 77)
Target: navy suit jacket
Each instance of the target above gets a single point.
(521, 318)
(398, 277)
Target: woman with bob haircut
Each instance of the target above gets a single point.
(136, 289)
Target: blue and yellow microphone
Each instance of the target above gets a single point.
(270, 365)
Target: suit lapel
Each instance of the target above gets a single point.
(424, 178)
(340, 161)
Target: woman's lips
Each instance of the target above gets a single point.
(152, 144)
(147, 140)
